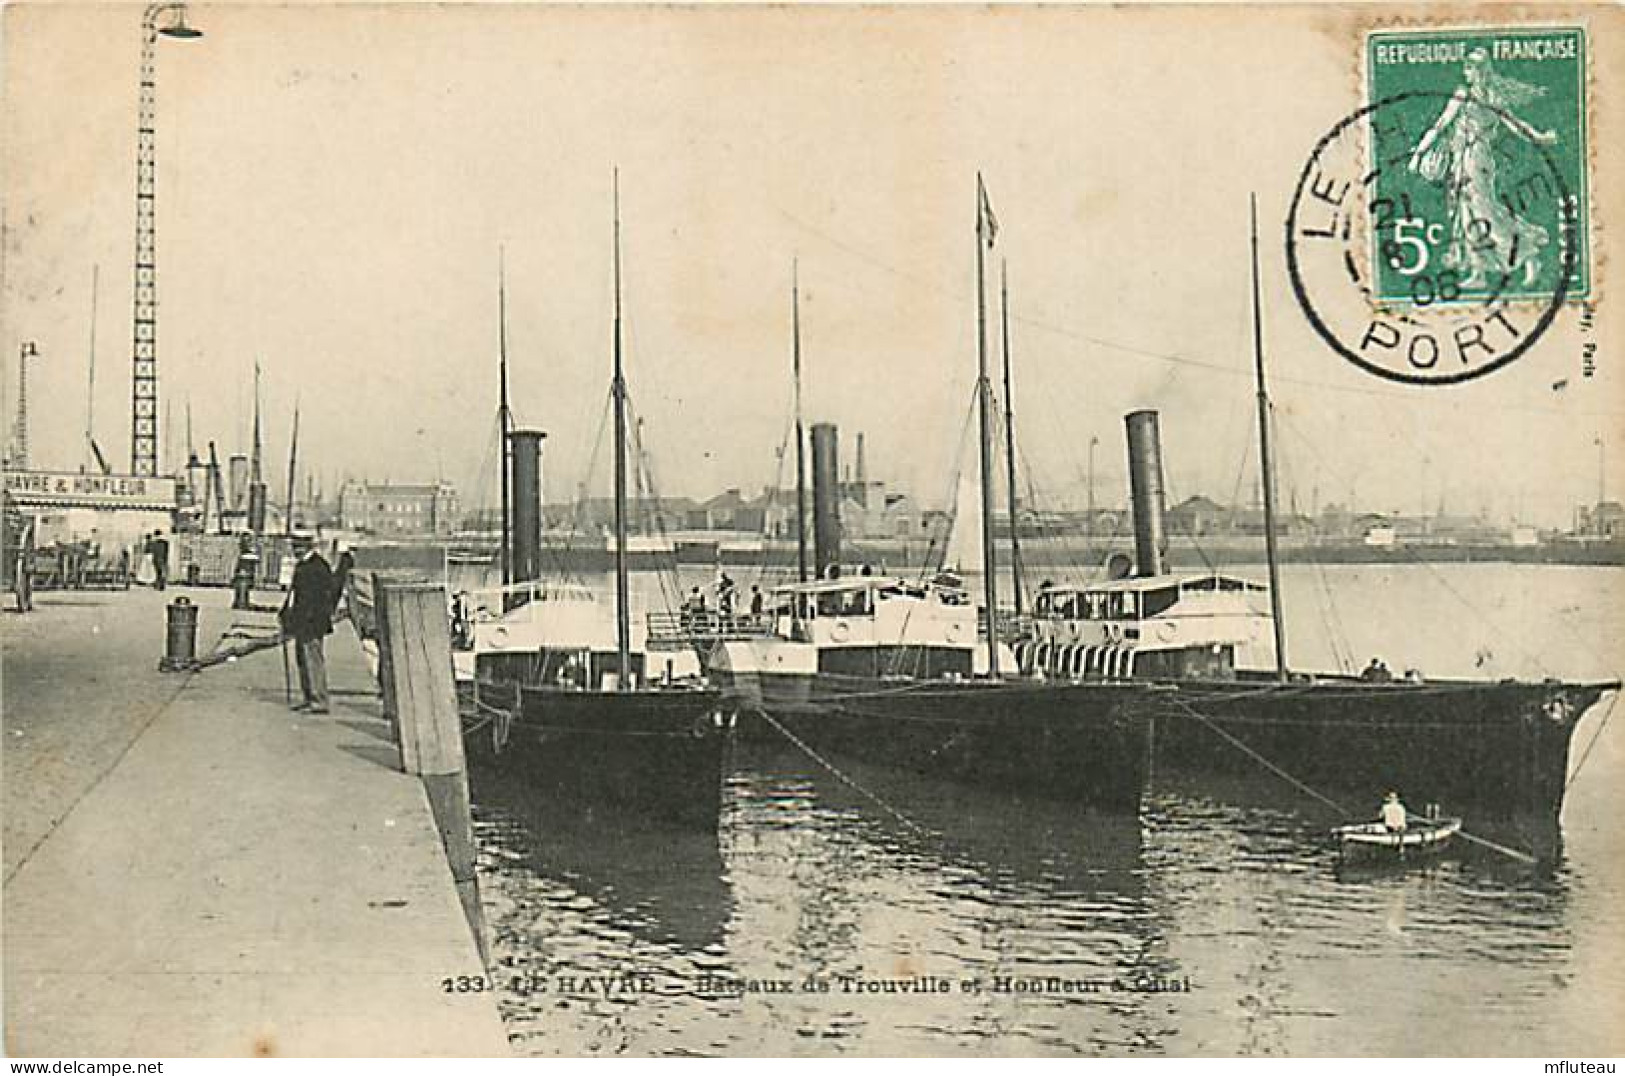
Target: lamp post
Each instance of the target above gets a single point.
(144, 380)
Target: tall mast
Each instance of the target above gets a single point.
(984, 409)
(1265, 462)
(504, 418)
(293, 463)
(623, 625)
(801, 437)
(1009, 431)
(255, 475)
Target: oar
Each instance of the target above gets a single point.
(1522, 857)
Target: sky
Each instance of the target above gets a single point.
(335, 184)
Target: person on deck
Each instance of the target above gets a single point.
(756, 604)
(1377, 672)
(694, 610)
(1394, 814)
(307, 618)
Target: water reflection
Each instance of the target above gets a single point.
(664, 882)
(877, 878)
(1231, 882)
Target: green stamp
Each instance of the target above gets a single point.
(1479, 159)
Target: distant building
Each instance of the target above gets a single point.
(1605, 519)
(400, 511)
(720, 513)
(1197, 516)
(596, 515)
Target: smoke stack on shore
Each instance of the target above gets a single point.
(826, 470)
(526, 454)
(1146, 492)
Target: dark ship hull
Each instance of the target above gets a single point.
(658, 751)
(1496, 749)
(1083, 743)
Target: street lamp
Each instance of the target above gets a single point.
(144, 381)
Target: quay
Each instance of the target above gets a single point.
(193, 870)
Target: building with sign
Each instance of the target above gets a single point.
(102, 517)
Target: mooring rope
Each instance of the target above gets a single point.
(1595, 736)
(1279, 772)
(1272, 767)
(908, 823)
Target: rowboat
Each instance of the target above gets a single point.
(1374, 842)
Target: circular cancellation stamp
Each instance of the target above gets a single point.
(1435, 233)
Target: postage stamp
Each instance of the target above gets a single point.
(1437, 231)
(1474, 124)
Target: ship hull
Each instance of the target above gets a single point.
(1082, 743)
(1492, 749)
(656, 751)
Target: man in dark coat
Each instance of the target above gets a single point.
(159, 548)
(307, 618)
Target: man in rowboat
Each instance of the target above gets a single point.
(1393, 813)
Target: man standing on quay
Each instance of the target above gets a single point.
(307, 618)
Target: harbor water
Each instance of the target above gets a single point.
(839, 907)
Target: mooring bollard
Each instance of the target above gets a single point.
(413, 629)
(180, 640)
(242, 579)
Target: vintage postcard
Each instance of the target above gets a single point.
(561, 531)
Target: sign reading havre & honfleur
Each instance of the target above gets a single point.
(90, 490)
(1488, 132)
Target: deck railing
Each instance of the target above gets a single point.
(681, 631)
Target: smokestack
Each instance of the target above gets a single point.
(826, 496)
(237, 480)
(526, 453)
(1145, 486)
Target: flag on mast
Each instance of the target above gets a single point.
(989, 223)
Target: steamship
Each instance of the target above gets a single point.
(562, 682)
(911, 672)
(1096, 674)
(1214, 644)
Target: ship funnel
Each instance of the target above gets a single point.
(525, 448)
(826, 496)
(1146, 490)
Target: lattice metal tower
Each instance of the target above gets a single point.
(19, 443)
(144, 375)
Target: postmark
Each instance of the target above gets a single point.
(1435, 233)
(1441, 333)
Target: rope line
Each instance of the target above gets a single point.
(908, 823)
(1595, 736)
(1272, 767)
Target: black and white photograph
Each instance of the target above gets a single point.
(814, 530)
